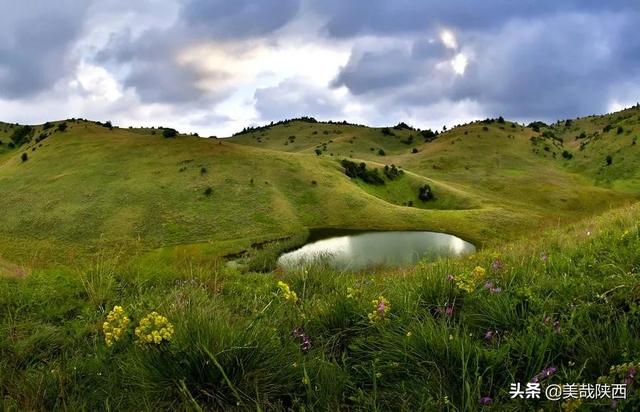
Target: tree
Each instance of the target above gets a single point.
(168, 133)
(21, 135)
(425, 193)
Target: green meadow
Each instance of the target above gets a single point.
(180, 235)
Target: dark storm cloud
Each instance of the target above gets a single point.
(222, 19)
(35, 38)
(561, 65)
(349, 18)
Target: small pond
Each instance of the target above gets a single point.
(360, 250)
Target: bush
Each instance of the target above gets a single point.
(429, 135)
(609, 160)
(208, 191)
(425, 193)
(414, 150)
(620, 130)
(500, 119)
(318, 152)
(392, 172)
(387, 132)
(381, 152)
(168, 133)
(62, 127)
(22, 135)
(402, 126)
(567, 155)
(24, 157)
(360, 171)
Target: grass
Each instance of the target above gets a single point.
(568, 300)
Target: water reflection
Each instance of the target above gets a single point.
(363, 250)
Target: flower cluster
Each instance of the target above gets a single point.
(154, 329)
(287, 292)
(305, 342)
(625, 372)
(352, 293)
(115, 325)
(544, 374)
(468, 281)
(381, 307)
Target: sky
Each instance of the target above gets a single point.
(216, 66)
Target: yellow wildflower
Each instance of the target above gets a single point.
(287, 292)
(478, 273)
(115, 325)
(155, 329)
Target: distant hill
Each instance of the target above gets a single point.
(86, 185)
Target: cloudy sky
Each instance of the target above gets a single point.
(215, 66)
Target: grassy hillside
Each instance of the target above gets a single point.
(86, 186)
(96, 217)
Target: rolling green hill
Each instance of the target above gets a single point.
(108, 235)
(85, 186)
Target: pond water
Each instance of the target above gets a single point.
(359, 250)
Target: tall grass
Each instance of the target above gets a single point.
(570, 300)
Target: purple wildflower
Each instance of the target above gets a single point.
(496, 265)
(491, 287)
(631, 373)
(382, 306)
(544, 257)
(451, 278)
(486, 400)
(305, 342)
(490, 334)
(544, 374)
(449, 311)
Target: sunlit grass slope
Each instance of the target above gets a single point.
(90, 186)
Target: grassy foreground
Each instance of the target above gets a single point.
(450, 335)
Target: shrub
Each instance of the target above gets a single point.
(402, 126)
(500, 119)
(360, 171)
(62, 127)
(425, 193)
(203, 170)
(567, 155)
(392, 172)
(607, 128)
(620, 130)
(485, 128)
(387, 132)
(381, 152)
(21, 135)
(318, 152)
(24, 157)
(208, 191)
(429, 135)
(168, 133)
(609, 160)
(414, 150)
